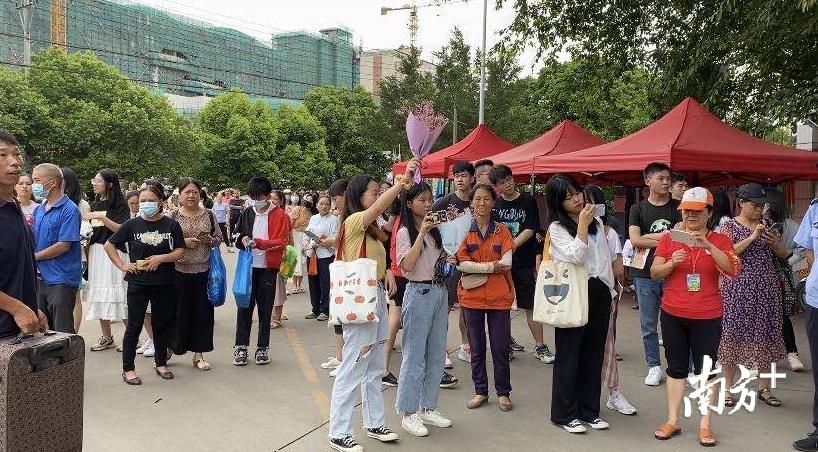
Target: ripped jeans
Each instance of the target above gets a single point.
(361, 370)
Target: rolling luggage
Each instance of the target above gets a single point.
(41, 393)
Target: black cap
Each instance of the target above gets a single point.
(753, 192)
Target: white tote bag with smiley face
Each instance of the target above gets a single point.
(561, 297)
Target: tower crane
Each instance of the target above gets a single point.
(413, 16)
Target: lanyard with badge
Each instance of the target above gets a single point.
(694, 280)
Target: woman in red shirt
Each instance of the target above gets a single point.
(691, 303)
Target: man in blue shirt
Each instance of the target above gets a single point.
(807, 237)
(18, 277)
(59, 259)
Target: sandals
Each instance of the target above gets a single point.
(276, 324)
(201, 364)
(766, 396)
(166, 375)
(135, 381)
(666, 431)
(707, 438)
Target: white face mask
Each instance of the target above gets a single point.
(294, 199)
(260, 204)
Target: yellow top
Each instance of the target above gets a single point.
(354, 232)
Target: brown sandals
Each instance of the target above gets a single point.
(707, 438)
(666, 431)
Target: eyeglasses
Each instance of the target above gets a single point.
(97, 181)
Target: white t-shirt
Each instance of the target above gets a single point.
(260, 232)
(614, 243)
(595, 255)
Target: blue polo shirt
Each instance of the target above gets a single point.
(18, 270)
(60, 223)
(807, 237)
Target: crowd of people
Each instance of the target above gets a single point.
(141, 256)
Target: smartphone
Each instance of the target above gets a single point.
(203, 237)
(434, 217)
(600, 210)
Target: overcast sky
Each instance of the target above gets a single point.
(369, 27)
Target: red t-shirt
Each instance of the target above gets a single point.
(707, 302)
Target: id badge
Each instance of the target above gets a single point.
(694, 282)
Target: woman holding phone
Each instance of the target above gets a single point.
(155, 242)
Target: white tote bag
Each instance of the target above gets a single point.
(353, 288)
(561, 297)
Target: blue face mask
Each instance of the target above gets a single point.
(260, 204)
(39, 191)
(148, 209)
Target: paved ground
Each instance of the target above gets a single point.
(284, 406)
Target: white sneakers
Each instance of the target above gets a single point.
(448, 364)
(332, 363)
(334, 372)
(414, 425)
(464, 353)
(148, 349)
(576, 426)
(435, 419)
(795, 362)
(598, 424)
(655, 376)
(618, 402)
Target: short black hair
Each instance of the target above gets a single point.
(338, 188)
(8, 138)
(678, 177)
(259, 186)
(654, 168)
(463, 167)
(484, 162)
(498, 173)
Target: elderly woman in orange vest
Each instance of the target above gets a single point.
(486, 293)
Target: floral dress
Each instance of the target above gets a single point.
(751, 326)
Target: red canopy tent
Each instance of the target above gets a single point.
(480, 143)
(692, 141)
(563, 138)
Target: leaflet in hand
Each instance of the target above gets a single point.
(682, 237)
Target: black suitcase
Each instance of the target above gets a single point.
(41, 393)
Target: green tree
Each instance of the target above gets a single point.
(457, 86)
(241, 139)
(99, 119)
(23, 111)
(752, 62)
(302, 155)
(353, 124)
(406, 89)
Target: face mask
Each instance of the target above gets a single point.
(260, 204)
(294, 199)
(148, 209)
(39, 191)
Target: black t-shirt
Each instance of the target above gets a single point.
(149, 238)
(18, 273)
(652, 219)
(520, 214)
(118, 214)
(452, 203)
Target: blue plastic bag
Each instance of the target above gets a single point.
(243, 281)
(216, 278)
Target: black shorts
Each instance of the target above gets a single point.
(401, 283)
(451, 286)
(685, 337)
(525, 282)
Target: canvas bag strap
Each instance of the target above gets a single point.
(339, 253)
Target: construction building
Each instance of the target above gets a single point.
(189, 60)
(378, 64)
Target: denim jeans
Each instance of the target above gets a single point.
(649, 297)
(360, 370)
(425, 319)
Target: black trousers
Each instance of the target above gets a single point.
(57, 303)
(811, 322)
(789, 335)
(499, 325)
(319, 287)
(685, 338)
(262, 295)
(193, 324)
(162, 299)
(577, 381)
(226, 238)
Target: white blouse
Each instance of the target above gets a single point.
(595, 255)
